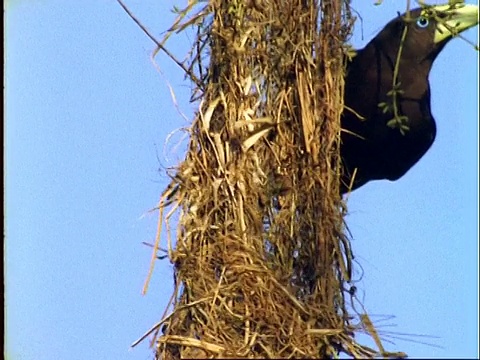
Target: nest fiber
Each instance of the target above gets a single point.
(261, 260)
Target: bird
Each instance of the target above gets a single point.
(387, 123)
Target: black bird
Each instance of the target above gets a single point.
(387, 124)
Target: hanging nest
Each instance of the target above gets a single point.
(262, 262)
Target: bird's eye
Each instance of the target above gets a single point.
(422, 22)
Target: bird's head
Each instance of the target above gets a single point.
(422, 33)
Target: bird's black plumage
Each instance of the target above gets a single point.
(387, 128)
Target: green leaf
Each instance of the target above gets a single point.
(392, 123)
(454, 2)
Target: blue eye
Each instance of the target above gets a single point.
(422, 22)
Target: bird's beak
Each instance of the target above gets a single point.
(452, 19)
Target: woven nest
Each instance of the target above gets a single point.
(261, 257)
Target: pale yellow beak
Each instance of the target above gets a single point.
(452, 19)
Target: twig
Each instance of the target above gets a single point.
(160, 46)
(155, 247)
(148, 332)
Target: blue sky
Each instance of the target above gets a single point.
(87, 117)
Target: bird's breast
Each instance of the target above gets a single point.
(379, 150)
